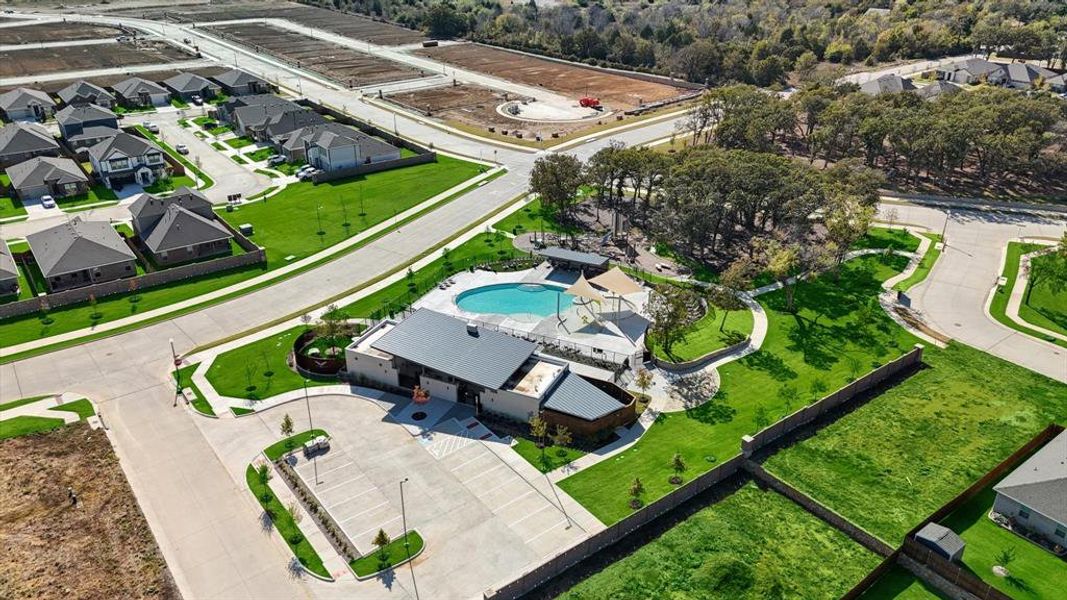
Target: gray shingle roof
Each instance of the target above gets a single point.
(73, 115)
(886, 84)
(237, 78)
(21, 138)
(940, 537)
(129, 145)
(83, 89)
(23, 97)
(94, 132)
(134, 86)
(148, 207)
(975, 66)
(335, 135)
(77, 245)
(1026, 73)
(290, 120)
(188, 82)
(1040, 483)
(180, 227)
(8, 270)
(584, 258)
(37, 171)
(440, 342)
(938, 89)
(575, 396)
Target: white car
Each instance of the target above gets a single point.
(181, 149)
(197, 100)
(48, 202)
(152, 127)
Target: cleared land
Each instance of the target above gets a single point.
(339, 63)
(40, 61)
(907, 452)
(617, 92)
(55, 32)
(102, 549)
(347, 24)
(753, 544)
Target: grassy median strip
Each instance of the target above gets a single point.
(284, 523)
(925, 264)
(998, 308)
(391, 555)
(291, 443)
(185, 376)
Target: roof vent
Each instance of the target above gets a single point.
(472, 328)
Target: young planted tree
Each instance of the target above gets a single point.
(643, 380)
(539, 429)
(678, 466)
(287, 431)
(636, 490)
(561, 438)
(263, 475)
(668, 309)
(381, 540)
(783, 263)
(736, 279)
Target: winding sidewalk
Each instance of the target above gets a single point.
(1018, 291)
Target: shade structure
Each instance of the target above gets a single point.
(582, 289)
(616, 282)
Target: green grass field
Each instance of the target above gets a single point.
(899, 584)
(95, 195)
(292, 443)
(239, 142)
(396, 552)
(925, 264)
(9, 207)
(27, 424)
(835, 336)
(532, 217)
(751, 545)
(304, 218)
(999, 306)
(258, 370)
(1044, 307)
(185, 375)
(260, 155)
(1035, 574)
(553, 458)
(708, 334)
(910, 450)
(893, 239)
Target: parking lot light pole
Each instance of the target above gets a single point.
(177, 374)
(311, 427)
(407, 545)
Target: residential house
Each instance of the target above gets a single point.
(1025, 76)
(938, 89)
(1034, 496)
(1058, 83)
(79, 253)
(972, 71)
(87, 124)
(141, 92)
(179, 228)
(458, 361)
(83, 92)
(186, 85)
(9, 272)
(20, 142)
(47, 176)
(126, 158)
(266, 117)
(227, 111)
(24, 104)
(331, 146)
(236, 82)
(886, 84)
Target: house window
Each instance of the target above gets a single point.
(1060, 532)
(155, 158)
(118, 164)
(1024, 513)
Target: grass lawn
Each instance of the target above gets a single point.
(95, 195)
(260, 155)
(25, 425)
(1044, 307)
(900, 584)
(395, 552)
(751, 545)
(837, 334)
(286, 526)
(240, 142)
(178, 103)
(218, 146)
(258, 370)
(9, 207)
(884, 237)
(238, 159)
(185, 375)
(278, 449)
(132, 110)
(905, 453)
(999, 306)
(707, 335)
(238, 411)
(169, 184)
(1035, 574)
(82, 407)
(554, 456)
(290, 168)
(532, 217)
(305, 218)
(925, 264)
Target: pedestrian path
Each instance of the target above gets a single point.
(1018, 291)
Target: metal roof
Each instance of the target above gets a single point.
(180, 227)
(45, 169)
(575, 396)
(1040, 483)
(77, 245)
(573, 256)
(21, 138)
(443, 343)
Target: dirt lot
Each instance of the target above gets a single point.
(345, 65)
(346, 24)
(19, 63)
(109, 80)
(617, 92)
(101, 549)
(56, 32)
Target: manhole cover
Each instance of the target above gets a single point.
(418, 415)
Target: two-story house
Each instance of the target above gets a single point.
(86, 124)
(126, 158)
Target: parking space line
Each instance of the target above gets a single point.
(381, 526)
(493, 489)
(483, 473)
(513, 500)
(530, 540)
(468, 461)
(546, 505)
(363, 512)
(351, 498)
(333, 487)
(321, 473)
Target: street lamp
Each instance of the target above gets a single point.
(407, 546)
(177, 374)
(311, 427)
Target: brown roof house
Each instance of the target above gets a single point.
(179, 228)
(80, 253)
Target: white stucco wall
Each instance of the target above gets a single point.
(374, 368)
(439, 389)
(509, 404)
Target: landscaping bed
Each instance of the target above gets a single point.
(259, 370)
(393, 554)
(283, 521)
(999, 305)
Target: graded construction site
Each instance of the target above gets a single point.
(36, 33)
(342, 23)
(42, 61)
(339, 63)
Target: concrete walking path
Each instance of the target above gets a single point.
(1018, 291)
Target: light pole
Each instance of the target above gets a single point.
(177, 374)
(407, 546)
(311, 427)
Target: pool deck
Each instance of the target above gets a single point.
(612, 335)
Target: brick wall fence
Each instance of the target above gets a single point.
(751, 444)
(555, 566)
(253, 255)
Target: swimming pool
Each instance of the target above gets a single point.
(515, 299)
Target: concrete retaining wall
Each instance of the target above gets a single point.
(689, 365)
